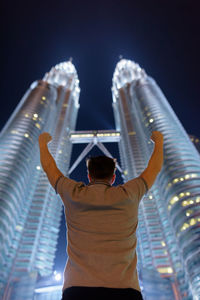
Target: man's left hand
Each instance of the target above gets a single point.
(45, 137)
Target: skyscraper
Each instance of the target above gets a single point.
(169, 215)
(29, 209)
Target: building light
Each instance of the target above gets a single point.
(38, 168)
(181, 195)
(125, 172)
(14, 131)
(185, 203)
(35, 115)
(193, 175)
(150, 197)
(19, 228)
(175, 180)
(174, 200)
(198, 200)
(192, 222)
(165, 270)
(26, 135)
(82, 135)
(27, 115)
(37, 125)
(57, 276)
(185, 226)
(163, 243)
(43, 98)
(151, 120)
(60, 151)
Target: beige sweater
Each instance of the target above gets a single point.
(101, 232)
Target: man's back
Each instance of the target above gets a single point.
(101, 222)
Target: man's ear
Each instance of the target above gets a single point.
(89, 177)
(113, 178)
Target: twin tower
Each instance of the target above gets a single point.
(30, 211)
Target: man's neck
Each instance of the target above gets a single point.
(98, 181)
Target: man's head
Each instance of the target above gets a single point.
(101, 168)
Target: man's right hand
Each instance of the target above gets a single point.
(156, 160)
(156, 136)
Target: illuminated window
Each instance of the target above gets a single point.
(165, 270)
(60, 151)
(174, 200)
(151, 120)
(37, 125)
(125, 172)
(81, 135)
(189, 212)
(26, 135)
(191, 222)
(193, 175)
(35, 115)
(43, 98)
(38, 168)
(175, 180)
(27, 115)
(163, 244)
(185, 226)
(150, 197)
(198, 200)
(19, 228)
(14, 131)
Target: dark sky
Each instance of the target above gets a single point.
(162, 36)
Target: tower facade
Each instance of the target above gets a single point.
(169, 215)
(29, 209)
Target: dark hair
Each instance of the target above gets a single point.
(101, 167)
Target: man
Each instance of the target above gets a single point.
(101, 222)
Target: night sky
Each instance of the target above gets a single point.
(162, 36)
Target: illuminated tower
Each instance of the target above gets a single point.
(30, 211)
(169, 215)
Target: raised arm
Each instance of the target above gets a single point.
(47, 161)
(156, 160)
